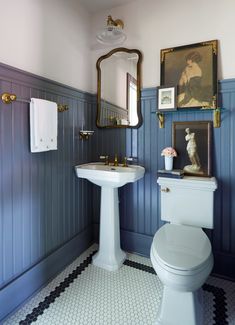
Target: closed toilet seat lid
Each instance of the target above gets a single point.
(181, 247)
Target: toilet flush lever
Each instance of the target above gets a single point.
(166, 190)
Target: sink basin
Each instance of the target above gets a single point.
(110, 255)
(113, 176)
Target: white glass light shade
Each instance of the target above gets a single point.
(111, 35)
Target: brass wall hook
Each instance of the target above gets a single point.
(62, 108)
(161, 119)
(8, 98)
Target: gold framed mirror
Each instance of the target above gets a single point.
(118, 89)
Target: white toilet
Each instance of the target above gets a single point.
(181, 252)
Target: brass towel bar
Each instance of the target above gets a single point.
(8, 98)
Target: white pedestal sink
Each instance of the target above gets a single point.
(110, 256)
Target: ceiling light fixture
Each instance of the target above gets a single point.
(112, 32)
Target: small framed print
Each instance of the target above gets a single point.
(167, 98)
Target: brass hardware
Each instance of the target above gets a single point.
(217, 118)
(8, 98)
(117, 23)
(115, 160)
(62, 108)
(216, 112)
(106, 159)
(161, 119)
(84, 135)
(131, 159)
(214, 102)
(125, 162)
(166, 190)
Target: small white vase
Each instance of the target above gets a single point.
(168, 163)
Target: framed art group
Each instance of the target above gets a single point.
(189, 76)
(189, 81)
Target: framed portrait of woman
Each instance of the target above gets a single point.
(193, 69)
(192, 141)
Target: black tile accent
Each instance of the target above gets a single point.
(220, 303)
(140, 266)
(32, 317)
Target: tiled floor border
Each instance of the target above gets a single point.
(32, 317)
(220, 303)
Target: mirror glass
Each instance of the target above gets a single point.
(118, 93)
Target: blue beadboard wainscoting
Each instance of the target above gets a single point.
(45, 211)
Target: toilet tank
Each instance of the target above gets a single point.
(188, 201)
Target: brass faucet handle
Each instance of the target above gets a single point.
(132, 159)
(125, 162)
(105, 158)
(115, 160)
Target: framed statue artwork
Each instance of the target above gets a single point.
(192, 141)
(193, 69)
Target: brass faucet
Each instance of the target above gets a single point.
(115, 160)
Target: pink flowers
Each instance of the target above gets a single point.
(169, 152)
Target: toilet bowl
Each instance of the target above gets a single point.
(181, 252)
(182, 258)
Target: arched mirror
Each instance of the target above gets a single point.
(118, 93)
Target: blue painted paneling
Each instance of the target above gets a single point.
(42, 204)
(24, 286)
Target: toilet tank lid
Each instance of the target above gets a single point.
(181, 247)
(200, 183)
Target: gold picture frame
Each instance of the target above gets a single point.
(193, 69)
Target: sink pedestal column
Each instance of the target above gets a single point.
(110, 256)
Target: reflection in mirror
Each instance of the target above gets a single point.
(118, 95)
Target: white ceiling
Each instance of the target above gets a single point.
(98, 5)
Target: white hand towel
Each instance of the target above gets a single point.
(43, 125)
